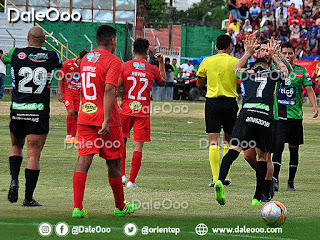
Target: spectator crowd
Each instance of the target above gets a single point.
(294, 21)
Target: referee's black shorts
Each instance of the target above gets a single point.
(220, 112)
(290, 131)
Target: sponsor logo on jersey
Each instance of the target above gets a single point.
(299, 75)
(286, 102)
(139, 66)
(89, 108)
(90, 56)
(287, 92)
(135, 105)
(39, 57)
(72, 68)
(22, 55)
(27, 106)
(93, 57)
(258, 121)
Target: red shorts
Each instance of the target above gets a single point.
(108, 146)
(72, 100)
(141, 127)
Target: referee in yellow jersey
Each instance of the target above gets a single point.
(221, 106)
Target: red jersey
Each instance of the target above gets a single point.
(138, 76)
(297, 20)
(98, 68)
(71, 76)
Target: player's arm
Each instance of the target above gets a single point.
(60, 83)
(250, 45)
(159, 57)
(120, 83)
(6, 58)
(201, 82)
(313, 101)
(108, 101)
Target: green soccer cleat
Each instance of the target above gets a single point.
(256, 202)
(79, 214)
(219, 192)
(128, 209)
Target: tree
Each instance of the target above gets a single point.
(153, 11)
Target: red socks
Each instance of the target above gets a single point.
(74, 127)
(117, 188)
(79, 183)
(123, 160)
(69, 124)
(135, 165)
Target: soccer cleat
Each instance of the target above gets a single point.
(13, 191)
(227, 181)
(68, 140)
(79, 214)
(211, 184)
(266, 197)
(32, 203)
(132, 185)
(255, 202)
(291, 186)
(276, 185)
(74, 140)
(124, 179)
(219, 192)
(128, 209)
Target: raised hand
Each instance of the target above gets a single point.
(273, 47)
(250, 44)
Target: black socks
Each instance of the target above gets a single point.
(260, 175)
(15, 164)
(31, 182)
(227, 160)
(294, 161)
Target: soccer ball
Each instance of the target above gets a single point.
(274, 214)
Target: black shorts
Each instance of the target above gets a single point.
(21, 128)
(220, 112)
(253, 130)
(290, 131)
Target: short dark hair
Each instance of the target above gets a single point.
(167, 59)
(82, 53)
(141, 45)
(223, 42)
(105, 34)
(1, 52)
(174, 59)
(287, 45)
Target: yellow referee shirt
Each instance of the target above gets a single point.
(221, 80)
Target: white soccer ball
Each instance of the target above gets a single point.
(274, 214)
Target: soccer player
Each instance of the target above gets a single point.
(99, 123)
(69, 93)
(32, 71)
(290, 116)
(255, 120)
(221, 105)
(137, 79)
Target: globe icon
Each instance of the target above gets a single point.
(201, 229)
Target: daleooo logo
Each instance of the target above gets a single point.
(52, 15)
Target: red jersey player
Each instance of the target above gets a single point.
(99, 124)
(137, 77)
(69, 93)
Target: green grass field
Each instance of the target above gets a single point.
(174, 168)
